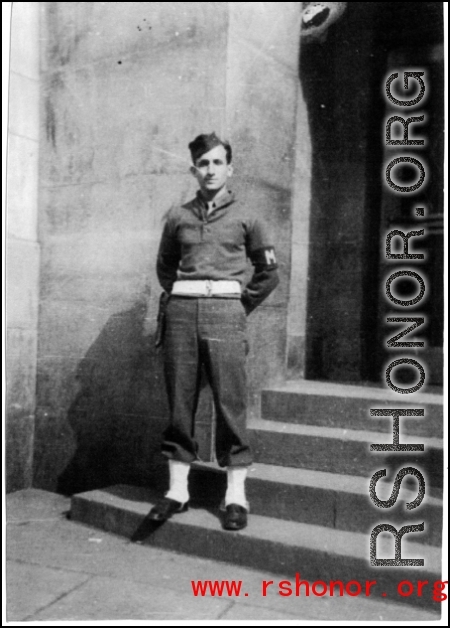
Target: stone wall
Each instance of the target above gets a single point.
(22, 247)
(125, 87)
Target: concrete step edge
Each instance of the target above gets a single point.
(364, 436)
(334, 501)
(331, 389)
(291, 534)
(338, 482)
(373, 425)
(278, 547)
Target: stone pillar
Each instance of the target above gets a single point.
(22, 244)
(261, 109)
(125, 87)
(301, 207)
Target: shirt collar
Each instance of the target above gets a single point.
(224, 198)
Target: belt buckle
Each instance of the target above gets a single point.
(209, 288)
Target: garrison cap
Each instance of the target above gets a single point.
(206, 142)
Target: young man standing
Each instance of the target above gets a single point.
(201, 263)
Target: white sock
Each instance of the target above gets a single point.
(179, 472)
(236, 486)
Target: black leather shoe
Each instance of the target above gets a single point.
(165, 508)
(235, 517)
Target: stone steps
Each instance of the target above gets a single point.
(275, 545)
(308, 490)
(341, 451)
(344, 406)
(329, 500)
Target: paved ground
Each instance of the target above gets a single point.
(61, 570)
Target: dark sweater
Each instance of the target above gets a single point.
(197, 245)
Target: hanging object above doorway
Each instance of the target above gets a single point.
(317, 17)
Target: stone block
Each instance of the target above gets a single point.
(69, 329)
(101, 397)
(337, 450)
(264, 150)
(25, 21)
(167, 110)
(298, 287)
(356, 512)
(303, 159)
(24, 106)
(327, 404)
(49, 461)
(99, 260)
(22, 191)
(130, 119)
(19, 451)
(68, 129)
(94, 444)
(135, 204)
(272, 491)
(100, 296)
(272, 29)
(295, 356)
(56, 383)
(21, 355)
(266, 358)
(22, 283)
(82, 33)
(84, 345)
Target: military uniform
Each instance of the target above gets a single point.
(201, 263)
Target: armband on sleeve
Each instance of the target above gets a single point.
(264, 258)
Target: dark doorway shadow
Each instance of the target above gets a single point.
(351, 209)
(120, 410)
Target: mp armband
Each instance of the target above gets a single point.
(264, 257)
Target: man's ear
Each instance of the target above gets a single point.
(193, 171)
(230, 170)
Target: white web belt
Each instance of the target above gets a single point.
(206, 288)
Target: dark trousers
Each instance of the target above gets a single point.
(209, 331)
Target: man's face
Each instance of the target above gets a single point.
(212, 171)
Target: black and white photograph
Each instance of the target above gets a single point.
(224, 318)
